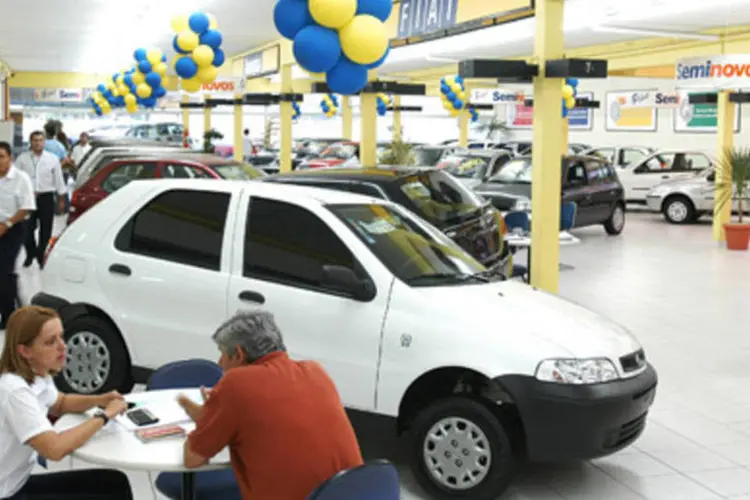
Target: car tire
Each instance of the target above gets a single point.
(97, 360)
(679, 209)
(616, 222)
(431, 449)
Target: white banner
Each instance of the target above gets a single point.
(651, 99)
(730, 71)
(496, 96)
(59, 95)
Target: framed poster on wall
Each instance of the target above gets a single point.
(519, 116)
(702, 117)
(622, 116)
(582, 118)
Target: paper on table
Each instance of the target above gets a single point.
(168, 412)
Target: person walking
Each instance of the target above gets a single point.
(46, 176)
(80, 149)
(16, 202)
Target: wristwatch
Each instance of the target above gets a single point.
(8, 223)
(103, 416)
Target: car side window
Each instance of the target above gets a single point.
(696, 161)
(605, 153)
(595, 172)
(183, 226)
(177, 171)
(576, 176)
(288, 244)
(630, 156)
(123, 174)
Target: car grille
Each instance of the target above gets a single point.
(626, 434)
(633, 362)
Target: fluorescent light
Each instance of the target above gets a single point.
(655, 33)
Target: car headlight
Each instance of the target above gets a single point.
(576, 371)
(522, 205)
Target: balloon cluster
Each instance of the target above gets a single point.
(296, 111)
(570, 91)
(453, 94)
(198, 45)
(341, 38)
(384, 102)
(474, 114)
(329, 105)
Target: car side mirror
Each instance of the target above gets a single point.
(711, 177)
(343, 279)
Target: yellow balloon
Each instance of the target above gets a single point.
(120, 80)
(143, 91)
(123, 90)
(132, 108)
(212, 23)
(456, 88)
(154, 56)
(111, 85)
(454, 112)
(333, 14)
(188, 40)
(191, 85)
(364, 40)
(207, 74)
(130, 100)
(180, 23)
(567, 91)
(160, 68)
(203, 55)
(461, 95)
(570, 102)
(138, 77)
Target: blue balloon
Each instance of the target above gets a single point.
(219, 57)
(140, 54)
(317, 49)
(144, 67)
(160, 92)
(324, 107)
(450, 96)
(199, 22)
(115, 77)
(164, 58)
(444, 88)
(459, 80)
(128, 79)
(334, 99)
(458, 103)
(149, 102)
(186, 68)
(153, 80)
(380, 61)
(121, 101)
(290, 16)
(376, 8)
(573, 82)
(564, 110)
(212, 38)
(347, 77)
(176, 46)
(101, 88)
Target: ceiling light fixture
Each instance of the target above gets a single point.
(655, 33)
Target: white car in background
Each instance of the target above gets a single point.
(476, 373)
(620, 156)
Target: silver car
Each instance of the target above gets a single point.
(686, 200)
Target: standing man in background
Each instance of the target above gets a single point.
(248, 146)
(46, 176)
(16, 201)
(80, 149)
(52, 145)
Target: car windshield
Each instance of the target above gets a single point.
(312, 147)
(440, 199)
(428, 157)
(339, 152)
(514, 172)
(464, 166)
(413, 250)
(237, 171)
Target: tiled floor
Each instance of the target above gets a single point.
(688, 301)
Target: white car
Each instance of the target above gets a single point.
(474, 372)
(620, 156)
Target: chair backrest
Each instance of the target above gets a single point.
(186, 374)
(517, 219)
(377, 480)
(568, 212)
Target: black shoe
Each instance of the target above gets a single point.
(28, 261)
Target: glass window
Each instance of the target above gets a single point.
(596, 172)
(237, 171)
(416, 253)
(465, 166)
(604, 153)
(428, 157)
(660, 162)
(440, 199)
(183, 226)
(290, 245)
(177, 171)
(514, 172)
(630, 156)
(697, 161)
(576, 175)
(123, 174)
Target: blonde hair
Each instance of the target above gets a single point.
(24, 326)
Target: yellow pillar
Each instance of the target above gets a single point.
(565, 136)
(286, 119)
(206, 116)
(186, 115)
(346, 118)
(463, 128)
(239, 144)
(396, 119)
(548, 131)
(725, 141)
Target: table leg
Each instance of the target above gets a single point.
(188, 486)
(528, 264)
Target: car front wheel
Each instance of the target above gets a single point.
(459, 449)
(679, 210)
(616, 222)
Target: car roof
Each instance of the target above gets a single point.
(384, 174)
(198, 157)
(482, 153)
(97, 142)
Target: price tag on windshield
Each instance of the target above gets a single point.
(380, 226)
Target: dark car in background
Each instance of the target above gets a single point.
(591, 183)
(433, 195)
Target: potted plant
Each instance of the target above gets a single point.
(398, 153)
(208, 138)
(733, 174)
(494, 127)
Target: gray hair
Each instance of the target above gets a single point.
(255, 332)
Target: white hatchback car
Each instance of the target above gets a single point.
(475, 372)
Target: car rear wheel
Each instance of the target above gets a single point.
(96, 359)
(459, 449)
(616, 222)
(679, 210)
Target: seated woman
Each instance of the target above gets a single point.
(34, 351)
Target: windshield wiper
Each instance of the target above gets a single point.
(425, 279)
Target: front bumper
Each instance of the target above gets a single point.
(569, 422)
(654, 203)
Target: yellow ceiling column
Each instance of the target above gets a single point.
(565, 136)
(725, 141)
(287, 87)
(186, 116)
(239, 144)
(206, 115)
(368, 114)
(397, 119)
(346, 117)
(545, 183)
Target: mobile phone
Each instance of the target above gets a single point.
(130, 406)
(141, 417)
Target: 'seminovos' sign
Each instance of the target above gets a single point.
(223, 86)
(717, 72)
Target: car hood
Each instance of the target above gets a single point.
(469, 182)
(576, 331)
(515, 191)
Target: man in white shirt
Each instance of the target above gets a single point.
(46, 176)
(16, 201)
(80, 149)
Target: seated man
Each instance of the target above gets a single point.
(282, 419)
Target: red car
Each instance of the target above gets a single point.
(338, 153)
(120, 172)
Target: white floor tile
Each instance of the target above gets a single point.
(725, 482)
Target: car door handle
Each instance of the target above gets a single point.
(249, 296)
(120, 269)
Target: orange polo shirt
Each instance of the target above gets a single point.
(285, 426)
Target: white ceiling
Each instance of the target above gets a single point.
(99, 36)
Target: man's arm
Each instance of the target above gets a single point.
(27, 202)
(215, 427)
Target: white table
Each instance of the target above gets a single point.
(524, 241)
(116, 447)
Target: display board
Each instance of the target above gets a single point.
(701, 117)
(623, 117)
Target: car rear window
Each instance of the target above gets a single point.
(238, 171)
(440, 199)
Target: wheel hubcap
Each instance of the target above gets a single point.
(87, 363)
(618, 218)
(457, 453)
(677, 211)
